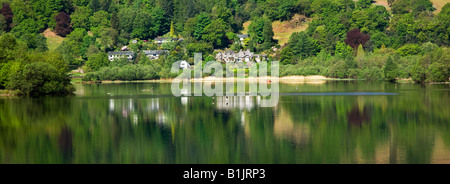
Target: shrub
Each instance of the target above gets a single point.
(40, 78)
(409, 49)
(418, 73)
(372, 74)
(390, 70)
(438, 72)
(338, 70)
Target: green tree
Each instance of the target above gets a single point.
(202, 21)
(161, 23)
(256, 30)
(172, 29)
(100, 19)
(27, 26)
(422, 5)
(409, 49)
(40, 78)
(286, 56)
(95, 5)
(115, 21)
(343, 50)
(302, 45)
(364, 3)
(443, 31)
(108, 38)
(400, 6)
(390, 70)
(142, 26)
(438, 72)
(80, 18)
(36, 42)
(97, 61)
(268, 35)
(378, 39)
(418, 73)
(215, 33)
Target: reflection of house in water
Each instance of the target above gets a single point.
(234, 102)
(184, 100)
(136, 109)
(161, 118)
(153, 105)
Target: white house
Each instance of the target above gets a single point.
(115, 55)
(241, 56)
(154, 54)
(164, 40)
(184, 65)
(242, 37)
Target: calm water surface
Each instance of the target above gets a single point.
(333, 122)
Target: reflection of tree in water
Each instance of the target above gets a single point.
(65, 143)
(95, 130)
(356, 117)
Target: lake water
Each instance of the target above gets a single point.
(332, 122)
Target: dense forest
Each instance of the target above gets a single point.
(344, 38)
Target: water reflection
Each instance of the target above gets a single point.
(135, 127)
(236, 102)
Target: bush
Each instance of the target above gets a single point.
(372, 74)
(418, 73)
(40, 78)
(97, 61)
(438, 72)
(338, 70)
(390, 70)
(127, 73)
(92, 76)
(409, 49)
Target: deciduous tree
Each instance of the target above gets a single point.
(356, 38)
(62, 24)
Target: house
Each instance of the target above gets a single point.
(228, 56)
(241, 56)
(154, 54)
(184, 65)
(164, 40)
(242, 37)
(121, 54)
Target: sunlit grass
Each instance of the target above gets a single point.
(53, 40)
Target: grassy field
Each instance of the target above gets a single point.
(283, 29)
(53, 40)
(438, 4)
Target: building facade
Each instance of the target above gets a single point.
(154, 54)
(241, 56)
(116, 55)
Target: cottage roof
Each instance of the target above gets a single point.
(158, 52)
(243, 35)
(120, 53)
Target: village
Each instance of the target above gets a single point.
(223, 56)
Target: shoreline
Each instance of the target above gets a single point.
(286, 79)
(311, 79)
(6, 93)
